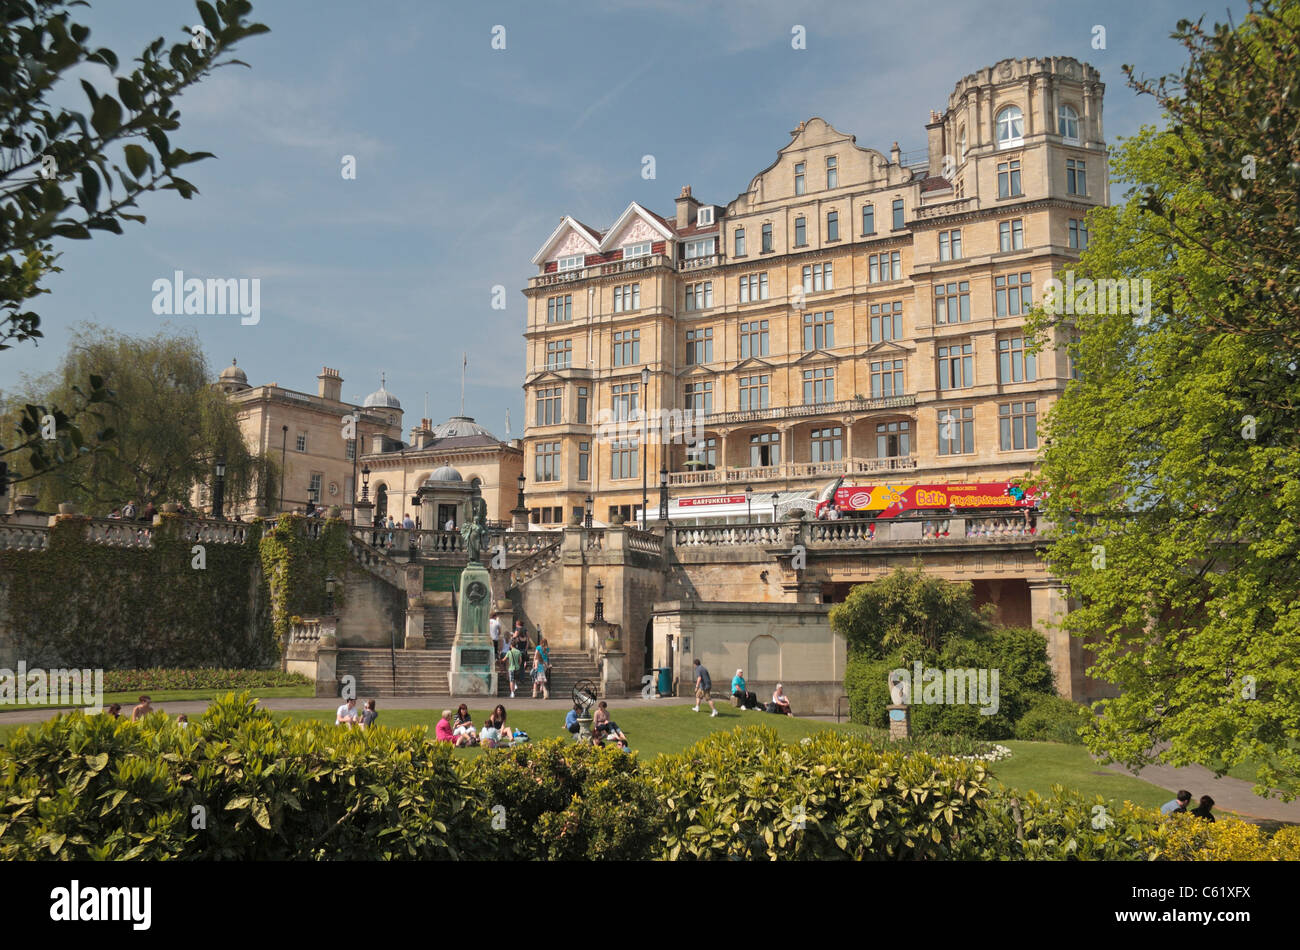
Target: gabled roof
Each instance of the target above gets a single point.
(567, 223)
(634, 210)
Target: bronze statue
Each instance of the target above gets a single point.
(474, 529)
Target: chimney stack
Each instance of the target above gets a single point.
(686, 206)
(329, 384)
(935, 146)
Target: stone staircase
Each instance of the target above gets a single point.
(439, 628)
(567, 669)
(419, 672)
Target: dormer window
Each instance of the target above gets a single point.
(572, 262)
(636, 250)
(1011, 127)
(704, 216)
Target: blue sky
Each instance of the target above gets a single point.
(467, 157)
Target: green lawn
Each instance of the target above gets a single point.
(1040, 765)
(130, 698)
(652, 731)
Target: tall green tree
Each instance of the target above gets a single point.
(66, 173)
(907, 610)
(170, 424)
(1172, 466)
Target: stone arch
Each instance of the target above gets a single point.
(764, 663)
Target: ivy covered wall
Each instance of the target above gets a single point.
(80, 604)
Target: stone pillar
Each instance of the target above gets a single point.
(414, 576)
(327, 658)
(900, 723)
(1048, 603)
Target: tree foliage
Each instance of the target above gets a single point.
(170, 425)
(66, 173)
(1173, 463)
(908, 611)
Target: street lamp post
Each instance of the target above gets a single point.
(663, 492)
(330, 582)
(749, 502)
(645, 455)
(774, 497)
(588, 502)
(219, 489)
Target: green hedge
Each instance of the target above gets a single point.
(241, 784)
(1054, 719)
(157, 678)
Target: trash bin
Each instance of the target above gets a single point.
(665, 686)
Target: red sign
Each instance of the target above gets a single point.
(892, 500)
(711, 500)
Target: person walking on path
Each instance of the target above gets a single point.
(703, 683)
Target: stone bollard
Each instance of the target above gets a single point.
(900, 722)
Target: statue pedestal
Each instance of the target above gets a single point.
(473, 667)
(900, 722)
(584, 728)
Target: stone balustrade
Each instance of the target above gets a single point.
(214, 532)
(647, 542)
(118, 534)
(595, 539)
(23, 538)
(728, 534)
(535, 563)
(306, 630)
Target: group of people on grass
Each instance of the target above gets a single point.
(458, 729)
(1178, 805)
(142, 709)
(740, 692)
(348, 715)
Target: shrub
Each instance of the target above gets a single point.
(122, 681)
(1065, 826)
(1053, 719)
(745, 795)
(1188, 838)
(565, 801)
(237, 785)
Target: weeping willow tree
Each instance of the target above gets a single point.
(171, 425)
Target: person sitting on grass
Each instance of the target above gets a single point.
(182, 720)
(142, 710)
(1178, 804)
(369, 716)
(115, 710)
(744, 698)
(346, 714)
(489, 736)
(571, 719)
(602, 727)
(1203, 811)
(442, 731)
(463, 727)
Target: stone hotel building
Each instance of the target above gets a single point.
(850, 313)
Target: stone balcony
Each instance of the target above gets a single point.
(808, 411)
(789, 471)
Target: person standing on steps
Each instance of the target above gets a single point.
(542, 670)
(514, 666)
(703, 683)
(494, 631)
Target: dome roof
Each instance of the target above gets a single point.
(234, 374)
(458, 426)
(381, 398)
(444, 474)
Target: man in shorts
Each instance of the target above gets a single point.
(515, 667)
(703, 683)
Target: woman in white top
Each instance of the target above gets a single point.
(781, 701)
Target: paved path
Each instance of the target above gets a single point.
(1229, 794)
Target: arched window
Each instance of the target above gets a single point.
(1011, 127)
(1067, 123)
